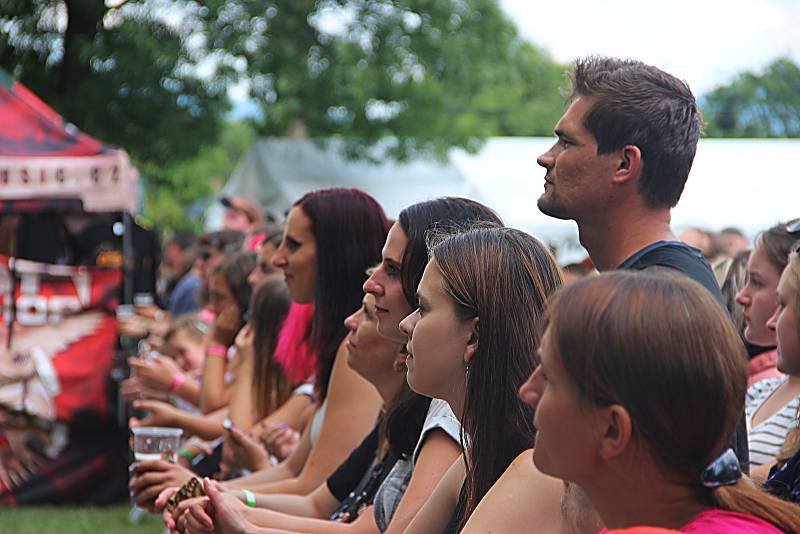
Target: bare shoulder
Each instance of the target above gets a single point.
(522, 495)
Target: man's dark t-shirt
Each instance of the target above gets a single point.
(678, 256)
(689, 261)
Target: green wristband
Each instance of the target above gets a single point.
(250, 499)
(186, 453)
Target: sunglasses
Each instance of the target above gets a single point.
(793, 227)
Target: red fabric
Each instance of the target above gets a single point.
(762, 367)
(83, 357)
(29, 127)
(83, 370)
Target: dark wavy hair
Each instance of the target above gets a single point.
(503, 277)
(404, 421)
(349, 228)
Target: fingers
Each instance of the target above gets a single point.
(164, 496)
(198, 519)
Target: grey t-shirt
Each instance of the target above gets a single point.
(394, 485)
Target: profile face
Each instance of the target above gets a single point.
(785, 325)
(264, 267)
(297, 257)
(564, 427)
(220, 294)
(235, 219)
(437, 341)
(759, 298)
(576, 177)
(386, 285)
(368, 352)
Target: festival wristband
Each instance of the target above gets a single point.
(177, 381)
(250, 499)
(187, 453)
(217, 350)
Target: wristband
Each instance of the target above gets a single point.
(177, 380)
(217, 350)
(187, 453)
(250, 499)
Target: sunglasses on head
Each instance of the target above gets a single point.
(793, 227)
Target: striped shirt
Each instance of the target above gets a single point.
(767, 438)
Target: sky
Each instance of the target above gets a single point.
(705, 42)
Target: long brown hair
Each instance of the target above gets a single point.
(504, 277)
(269, 307)
(659, 345)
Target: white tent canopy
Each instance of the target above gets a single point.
(750, 184)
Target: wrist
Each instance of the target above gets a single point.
(217, 349)
(177, 382)
(249, 498)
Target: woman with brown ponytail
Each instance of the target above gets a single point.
(642, 378)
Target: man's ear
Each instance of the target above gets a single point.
(472, 343)
(630, 165)
(616, 428)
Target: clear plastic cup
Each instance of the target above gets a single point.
(156, 443)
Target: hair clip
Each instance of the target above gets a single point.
(724, 471)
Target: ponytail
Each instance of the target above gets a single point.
(747, 498)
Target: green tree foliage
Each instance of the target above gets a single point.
(127, 74)
(756, 105)
(430, 75)
(193, 181)
(152, 76)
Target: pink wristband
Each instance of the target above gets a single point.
(177, 380)
(217, 350)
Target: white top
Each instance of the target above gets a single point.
(766, 439)
(316, 421)
(394, 485)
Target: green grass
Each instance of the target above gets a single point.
(74, 520)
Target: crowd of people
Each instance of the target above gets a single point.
(342, 372)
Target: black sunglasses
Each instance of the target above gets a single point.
(793, 227)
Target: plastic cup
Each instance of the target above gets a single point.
(156, 443)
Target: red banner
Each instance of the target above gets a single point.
(63, 339)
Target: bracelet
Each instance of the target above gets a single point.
(177, 380)
(249, 498)
(217, 350)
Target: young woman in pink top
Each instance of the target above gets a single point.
(642, 379)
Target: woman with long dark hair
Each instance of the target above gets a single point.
(331, 237)
(471, 342)
(642, 380)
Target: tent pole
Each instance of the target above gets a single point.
(127, 254)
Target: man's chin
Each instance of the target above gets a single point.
(550, 207)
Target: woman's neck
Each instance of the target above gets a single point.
(648, 501)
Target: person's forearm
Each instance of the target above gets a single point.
(261, 478)
(205, 427)
(276, 520)
(297, 505)
(212, 384)
(242, 401)
(189, 390)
